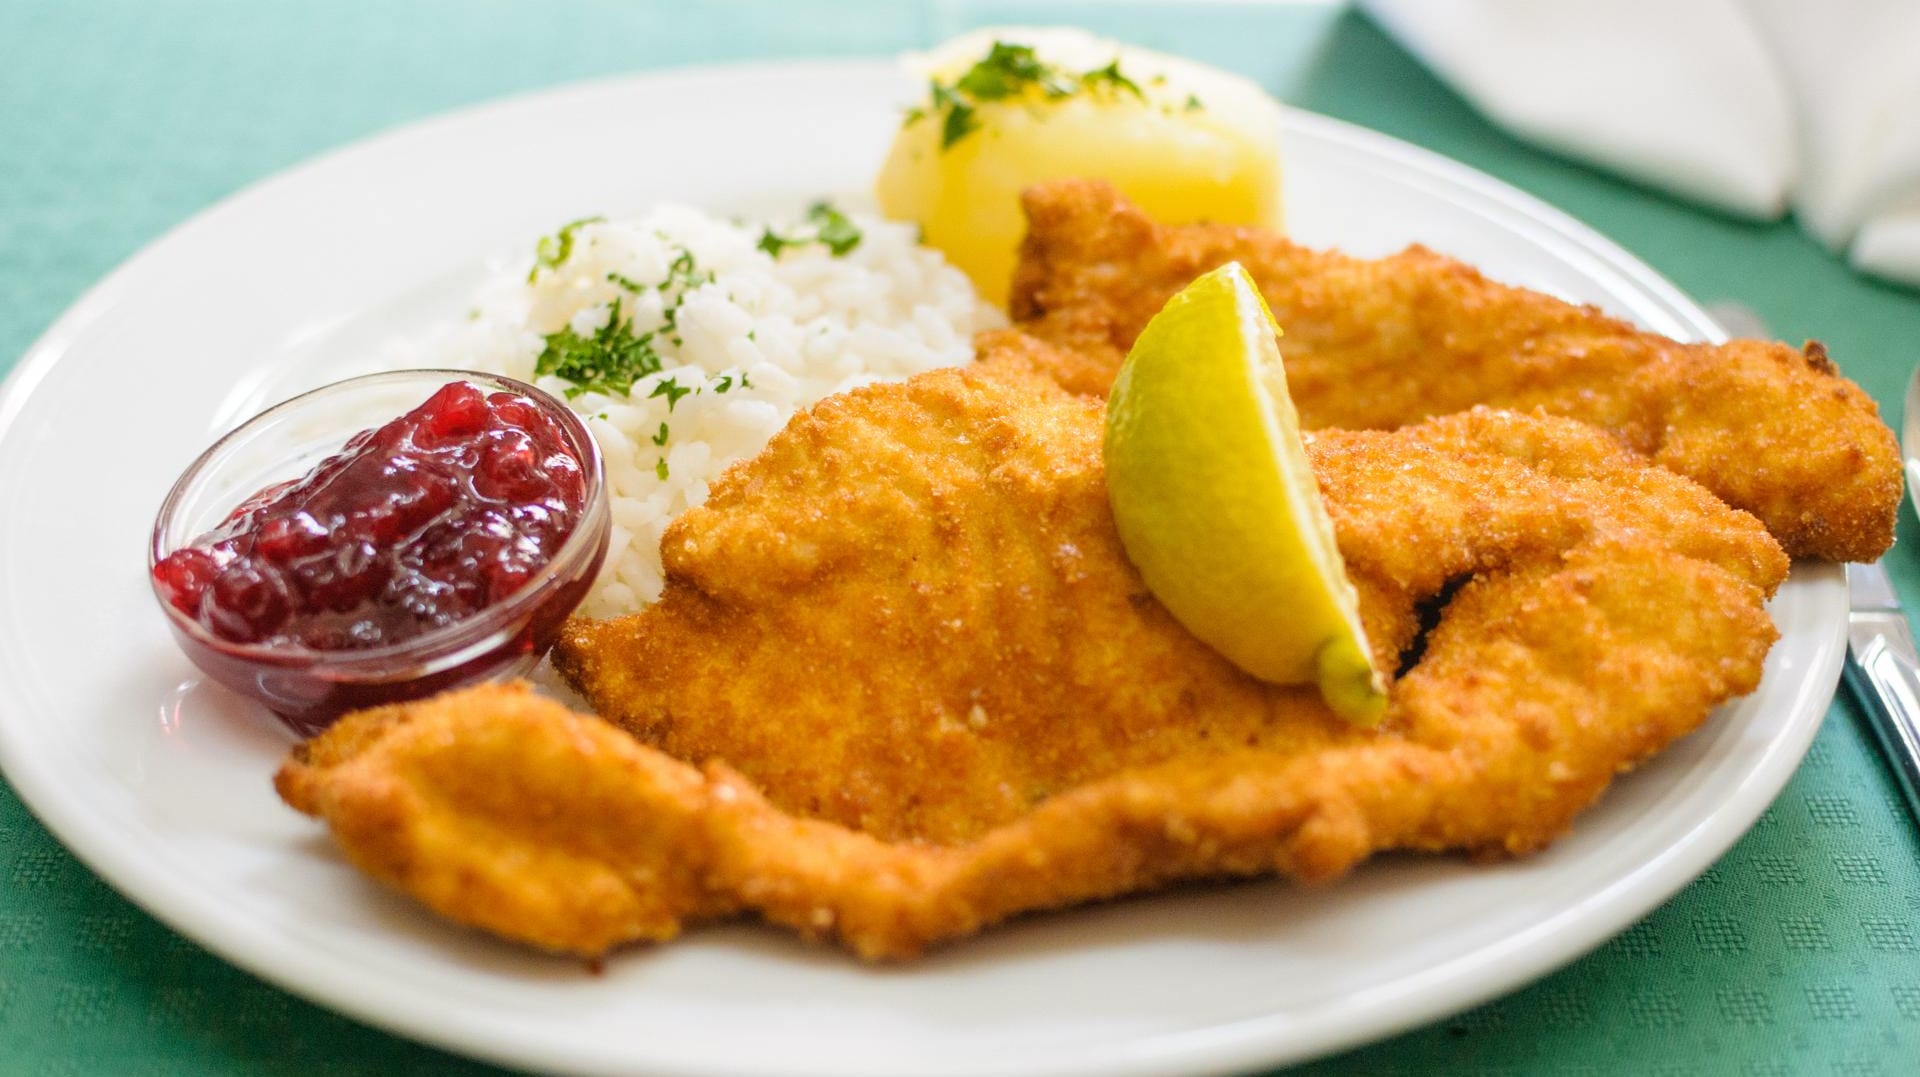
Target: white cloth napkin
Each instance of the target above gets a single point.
(1751, 106)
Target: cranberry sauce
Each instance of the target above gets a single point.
(412, 526)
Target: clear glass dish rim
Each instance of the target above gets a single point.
(429, 651)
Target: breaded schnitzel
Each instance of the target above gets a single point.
(904, 683)
(1376, 344)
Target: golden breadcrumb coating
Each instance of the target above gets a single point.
(904, 684)
(1379, 343)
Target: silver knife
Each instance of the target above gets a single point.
(1884, 672)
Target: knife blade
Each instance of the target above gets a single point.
(1883, 669)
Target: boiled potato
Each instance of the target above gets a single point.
(1184, 141)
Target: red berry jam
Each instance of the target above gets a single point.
(411, 527)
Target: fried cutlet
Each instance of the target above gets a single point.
(904, 683)
(1379, 343)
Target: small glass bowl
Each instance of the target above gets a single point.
(309, 688)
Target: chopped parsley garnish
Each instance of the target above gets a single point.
(1110, 77)
(669, 388)
(1193, 103)
(836, 230)
(608, 362)
(553, 251)
(617, 355)
(1009, 72)
(723, 383)
(682, 273)
(660, 468)
(661, 437)
(960, 123)
(744, 383)
(830, 227)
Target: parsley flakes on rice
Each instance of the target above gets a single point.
(686, 341)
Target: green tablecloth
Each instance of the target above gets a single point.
(1798, 953)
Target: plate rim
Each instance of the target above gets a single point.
(1230, 1046)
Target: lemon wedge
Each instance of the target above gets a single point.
(1009, 107)
(1217, 506)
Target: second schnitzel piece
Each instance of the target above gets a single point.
(1379, 343)
(904, 683)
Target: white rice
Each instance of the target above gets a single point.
(763, 338)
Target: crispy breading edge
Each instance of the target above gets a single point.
(501, 809)
(1775, 431)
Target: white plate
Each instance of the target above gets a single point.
(160, 783)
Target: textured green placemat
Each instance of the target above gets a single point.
(1798, 953)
